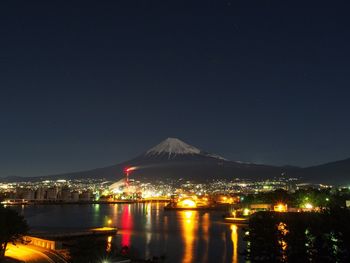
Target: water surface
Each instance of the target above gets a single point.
(148, 230)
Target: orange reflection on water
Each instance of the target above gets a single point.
(188, 231)
(109, 244)
(234, 238)
(205, 233)
(282, 228)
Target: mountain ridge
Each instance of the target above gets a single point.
(174, 159)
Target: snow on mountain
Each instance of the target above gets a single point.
(173, 147)
(215, 156)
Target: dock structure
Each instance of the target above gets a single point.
(99, 231)
(44, 243)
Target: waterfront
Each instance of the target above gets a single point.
(148, 230)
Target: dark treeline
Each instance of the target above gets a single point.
(299, 237)
(329, 197)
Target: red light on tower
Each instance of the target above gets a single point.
(127, 171)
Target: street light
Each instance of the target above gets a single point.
(246, 212)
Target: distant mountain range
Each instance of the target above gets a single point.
(175, 159)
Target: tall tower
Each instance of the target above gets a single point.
(127, 172)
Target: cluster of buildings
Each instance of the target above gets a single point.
(52, 191)
(238, 186)
(84, 190)
(52, 194)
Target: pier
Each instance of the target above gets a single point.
(99, 231)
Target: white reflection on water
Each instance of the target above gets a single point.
(148, 227)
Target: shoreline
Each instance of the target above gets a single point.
(30, 203)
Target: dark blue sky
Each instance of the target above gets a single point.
(86, 84)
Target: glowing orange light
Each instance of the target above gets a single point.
(280, 208)
(109, 244)
(24, 253)
(187, 203)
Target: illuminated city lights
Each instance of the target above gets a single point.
(309, 206)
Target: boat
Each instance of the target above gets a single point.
(237, 220)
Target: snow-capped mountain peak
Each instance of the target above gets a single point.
(174, 146)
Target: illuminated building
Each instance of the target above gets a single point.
(186, 203)
(261, 207)
(280, 208)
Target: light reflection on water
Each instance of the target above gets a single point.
(188, 231)
(205, 227)
(234, 238)
(181, 236)
(126, 223)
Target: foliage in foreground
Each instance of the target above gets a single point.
(299, 237)
(12, 228)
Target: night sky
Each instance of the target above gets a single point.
(86, 84)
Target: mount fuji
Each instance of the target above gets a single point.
(175, 159)
(173, 148)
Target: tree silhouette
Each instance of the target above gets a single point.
(12, 228)
(305, 237)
